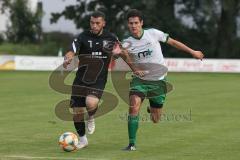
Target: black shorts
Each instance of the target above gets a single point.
(81, 90)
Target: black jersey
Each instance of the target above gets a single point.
(93, 59)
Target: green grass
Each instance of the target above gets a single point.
(49, 48)
(28, 49)
(29, 127)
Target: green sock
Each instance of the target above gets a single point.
(132, 128)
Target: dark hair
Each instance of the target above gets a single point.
(135, 13)
(97, 14)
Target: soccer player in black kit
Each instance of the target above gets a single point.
(92, 72)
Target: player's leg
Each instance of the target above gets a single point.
(133, 119)
(156, 112)
(136, 96)
(94, 94)
(156, 107)
(156, 96)
(78, 105)
(92, 105)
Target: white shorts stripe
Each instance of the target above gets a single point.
(74, 47)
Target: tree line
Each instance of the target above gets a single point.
(208, 25)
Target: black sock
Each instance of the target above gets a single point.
(80, 128)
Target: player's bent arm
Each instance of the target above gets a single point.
(119, 51)
(125, 56)
(68, 58)
(183, 47)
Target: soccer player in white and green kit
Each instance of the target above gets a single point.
(145, 48)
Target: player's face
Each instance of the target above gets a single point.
(135, 26)
(97, 24)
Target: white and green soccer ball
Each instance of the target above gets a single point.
(68, 141)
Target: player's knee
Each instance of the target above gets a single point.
(91, 105)
(134, 109)
(135, 103)
(92, 102)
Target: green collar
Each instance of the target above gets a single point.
(140, 36)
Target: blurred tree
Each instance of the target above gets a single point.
(212, 24)
(1, 39)
(227, 30)
(114, 9)
(25, 26)
(160, 14)
(215, 26)
(3, 5)
(38, 21)
(156, 13)
(60, 39)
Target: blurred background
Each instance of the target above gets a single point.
(201, 115)
(43, 27)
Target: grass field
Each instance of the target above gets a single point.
(202, 121)
(48, 48)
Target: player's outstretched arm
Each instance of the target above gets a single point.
(183, 47)
(68, 58)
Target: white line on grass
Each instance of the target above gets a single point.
(52, 158)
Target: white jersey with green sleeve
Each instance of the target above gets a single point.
(147, 48)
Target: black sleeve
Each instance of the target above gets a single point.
(76, 45)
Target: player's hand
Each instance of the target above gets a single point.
(116, 49)
(67, 59)
(198, 55)
(66, 62)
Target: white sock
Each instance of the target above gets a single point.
(83, 138)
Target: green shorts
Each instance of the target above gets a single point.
(155, 91)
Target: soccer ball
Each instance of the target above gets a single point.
(68, 141)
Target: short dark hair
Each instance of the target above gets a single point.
(97, 14)
(135, 13)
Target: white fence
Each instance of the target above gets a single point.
(37, 63)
